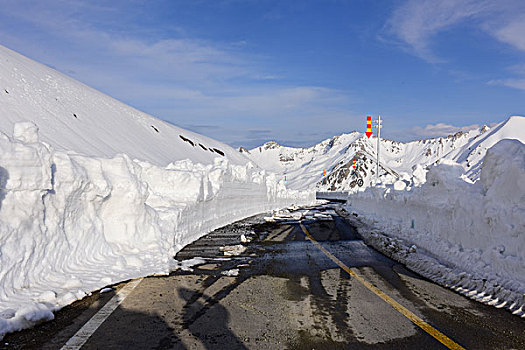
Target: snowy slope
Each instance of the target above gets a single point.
(93, 192)
(471, 155)
(74, 117)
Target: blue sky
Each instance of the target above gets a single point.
(249, 71)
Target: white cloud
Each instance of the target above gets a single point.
(513, 33)
(418, 22)
(517, 82)
(513, 83)
(438, 130)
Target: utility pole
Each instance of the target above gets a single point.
(378, 126)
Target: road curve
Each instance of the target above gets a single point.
(280, 291)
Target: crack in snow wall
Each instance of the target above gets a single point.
(476, 231)
(71, 224)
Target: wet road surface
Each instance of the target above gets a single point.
(281, 292)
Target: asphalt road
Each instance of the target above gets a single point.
(282, 292)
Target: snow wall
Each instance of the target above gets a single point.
(465, 235)
(71, 224)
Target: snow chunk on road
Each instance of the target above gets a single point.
(231, 273)
(186, 265)
(233, 250)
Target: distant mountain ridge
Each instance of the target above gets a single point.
(304, 167)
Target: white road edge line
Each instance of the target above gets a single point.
(83, 334)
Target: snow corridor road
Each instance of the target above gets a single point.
(304, 281)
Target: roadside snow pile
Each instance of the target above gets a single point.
(93, 192)
(71, 224)
(463, 234)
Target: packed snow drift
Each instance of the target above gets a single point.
(93, 192)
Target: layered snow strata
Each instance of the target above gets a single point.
(71, 224)
(470, 229)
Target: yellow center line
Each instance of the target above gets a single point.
(449, 343)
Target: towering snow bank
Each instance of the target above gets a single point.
(472, 229)
(503, 175)
(71, 224)
(93, 192)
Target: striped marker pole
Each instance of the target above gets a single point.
(368, 126)
(353, 163)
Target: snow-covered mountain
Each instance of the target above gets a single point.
(471, 155)
(303, 167)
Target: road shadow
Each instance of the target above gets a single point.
(208, 320)
(127, 329)
(124, 329)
